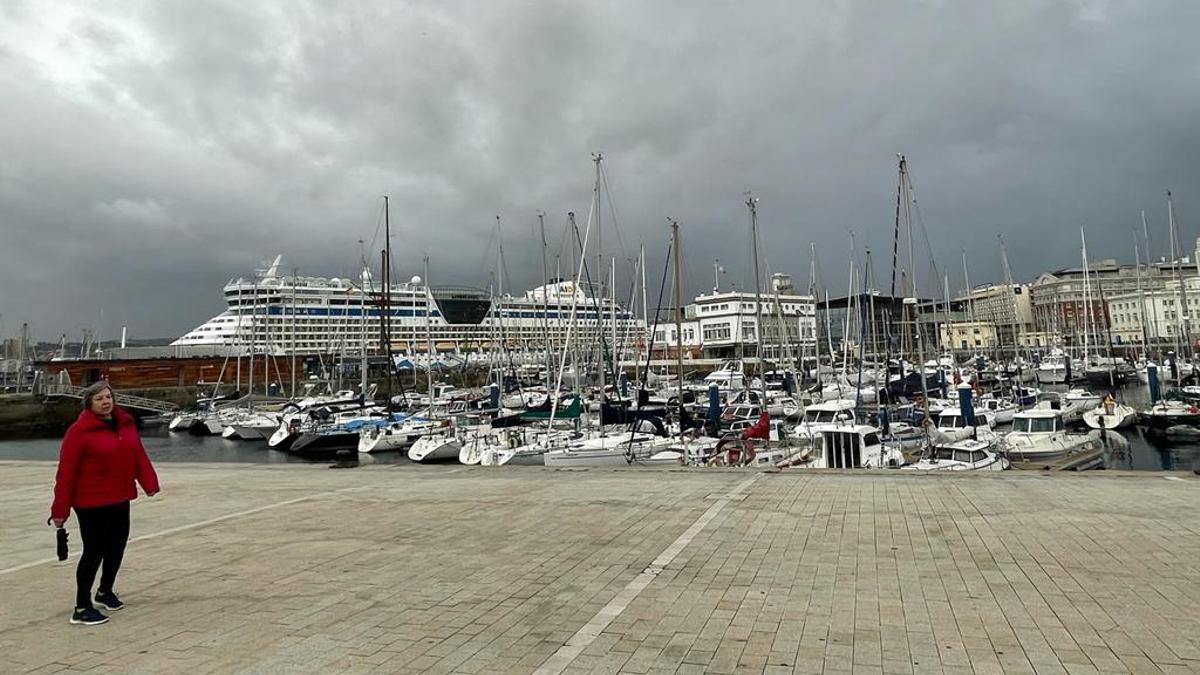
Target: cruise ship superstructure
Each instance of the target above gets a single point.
(276, 313)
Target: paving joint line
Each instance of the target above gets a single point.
(574, 646)
(192, 526)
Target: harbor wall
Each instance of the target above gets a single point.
(33, 416)
(174, 372)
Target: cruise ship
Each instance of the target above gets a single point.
(280, 314)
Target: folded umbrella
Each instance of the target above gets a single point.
(60, 541)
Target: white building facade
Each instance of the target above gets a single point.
(1163, 317)
(729, 325)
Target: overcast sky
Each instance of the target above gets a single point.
(150, 151)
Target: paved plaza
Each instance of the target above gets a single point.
(302, 568)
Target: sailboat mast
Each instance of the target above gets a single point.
(1137, 262)
(645, 310)
(387, 301)
(1008, 281)
(545, 293)
(752, 204)
(870, 291)
(906, 189)
(678, 321)
(253, 337)
(1183, 310)
(1087, 296)
(500, 301)
(599, 292)
(812, 293)
(568, 341)
(1150, 262)
(612, 311)
(1174, 268)
(428, 336)
(292, 312)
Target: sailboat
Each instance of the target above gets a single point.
(442, 448)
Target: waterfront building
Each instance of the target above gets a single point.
(729, 324)
(970, 336)
(1164, 317)
(1058, 298)
(1007, 309)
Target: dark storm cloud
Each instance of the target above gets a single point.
(149, 152)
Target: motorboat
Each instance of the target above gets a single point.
(729, 377)
(1040, 433)
(1071, 405)
(1001, 410)
(1055, 368)
(823, 413)
(965, 455)
(849, 446)
(1110, 415)
(835, 391)
(953, 425)
(779, 404)
(1169, 413)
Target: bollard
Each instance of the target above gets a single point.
(966, 406)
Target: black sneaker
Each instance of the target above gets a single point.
(109, 601)
(88, 616)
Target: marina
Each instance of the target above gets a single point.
(1145, 452)
(600, 338)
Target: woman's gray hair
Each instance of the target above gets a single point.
(91, 390)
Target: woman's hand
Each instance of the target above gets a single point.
(59, 522)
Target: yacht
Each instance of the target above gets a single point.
(824, 413)
(1110, 415)
(850, 446)
(1040, 433)
(1001, 410)
(1055, 368)
(617, 448)
(1071, 405)
(1169, 413)
(398, 434)
(966, 455)
(953, 425)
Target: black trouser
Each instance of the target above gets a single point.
(104, 530)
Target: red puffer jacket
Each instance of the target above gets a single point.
(98, 467)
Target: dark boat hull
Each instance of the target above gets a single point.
(324, 444)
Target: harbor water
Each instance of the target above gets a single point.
(1142, 453)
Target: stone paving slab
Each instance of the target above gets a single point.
(469, 570)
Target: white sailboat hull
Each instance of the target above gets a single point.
(1120, 417)
(1057, 375)
(613, 451)
(434, 449)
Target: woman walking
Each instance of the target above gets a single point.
(100, 459)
